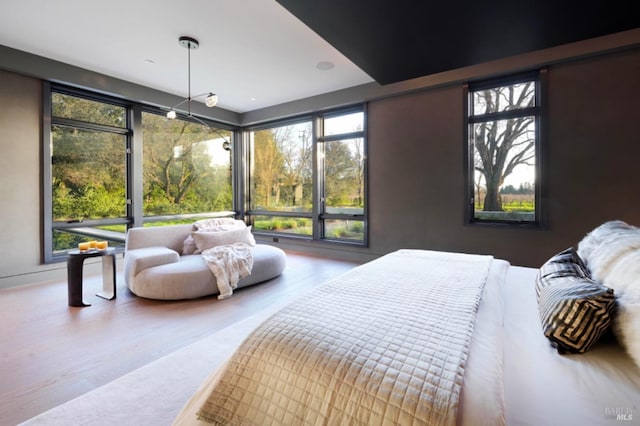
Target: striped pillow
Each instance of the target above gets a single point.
(567, 263)
(575, 313)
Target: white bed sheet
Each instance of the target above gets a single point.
(482, 396)
(545, 388)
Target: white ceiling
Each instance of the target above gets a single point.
(253, 53)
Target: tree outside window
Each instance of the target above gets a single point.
(503, 146)
(186, 167)
(306, 185)
(87, 173)
(186, 170)
(281, 181)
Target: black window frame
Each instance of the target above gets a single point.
(539, 111)
(133, 175)
(90, 225)
(317, 215)
(143, 219)
(323, 215)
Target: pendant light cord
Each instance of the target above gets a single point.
(189, 77)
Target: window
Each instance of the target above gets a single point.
(503, 151)
(87, 172)
(281, 178)
(341, 145)
(99, 179)
(186, 167)
(307, 177)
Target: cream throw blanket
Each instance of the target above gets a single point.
(385, 343)
(229, 263)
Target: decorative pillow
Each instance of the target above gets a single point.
(210, 225)
(575, 313)
(207, 223)
(205, 240)
(567, 263)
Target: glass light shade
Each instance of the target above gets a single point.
(171, 114)
(211, 100)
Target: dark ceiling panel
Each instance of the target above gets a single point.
(397, 40)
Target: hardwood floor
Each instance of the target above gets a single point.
(51, 353)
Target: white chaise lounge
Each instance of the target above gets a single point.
(156, 268)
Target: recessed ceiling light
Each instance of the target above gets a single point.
(325, 65)
(252, 99)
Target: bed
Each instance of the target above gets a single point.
(417, 337)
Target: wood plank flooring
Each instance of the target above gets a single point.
(51, 353)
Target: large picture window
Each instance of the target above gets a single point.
(87, 173)
(100, 179)
(186, 167)
(304, 177)
(307, 177)
(281, 179)
(503, 145)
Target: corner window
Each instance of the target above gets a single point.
(503, 125)
(100, 178)
(307, 177)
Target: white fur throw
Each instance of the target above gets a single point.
(612, 254)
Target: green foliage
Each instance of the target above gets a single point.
(185, 166)
(343, 173)
(300, 226)
(66, 240)
(519, 206)
(186, 169)
(87, 203)
(347, 229)
(67, 106)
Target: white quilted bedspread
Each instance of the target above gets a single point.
(385, 343)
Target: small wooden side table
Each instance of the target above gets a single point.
(75, 262)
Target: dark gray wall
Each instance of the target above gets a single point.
(592, 154)
(591, 159)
